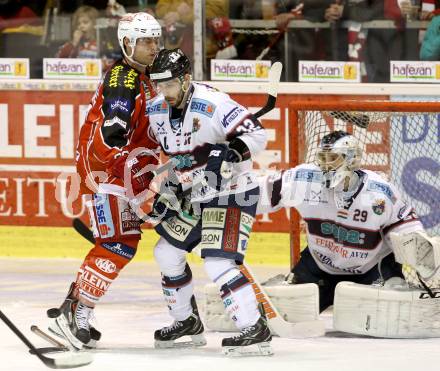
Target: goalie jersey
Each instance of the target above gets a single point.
(208, 117)
(348, 237)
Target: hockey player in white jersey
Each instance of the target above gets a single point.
(359, 228)
(202, 130)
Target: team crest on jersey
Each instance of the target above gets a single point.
(379, 206)
(196, 125)
(202, 106)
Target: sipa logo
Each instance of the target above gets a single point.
(105, 265)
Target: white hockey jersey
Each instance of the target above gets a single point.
(208, 117)
(343, 238)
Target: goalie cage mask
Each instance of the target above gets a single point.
(338, 157)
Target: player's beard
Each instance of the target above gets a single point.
(176, 102)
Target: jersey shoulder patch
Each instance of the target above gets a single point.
(305, 173)
(375, 183)
(203, 107)
(157, 106)
(122, 76)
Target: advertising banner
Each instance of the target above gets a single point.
(38, 135)
(72, 68)
(239, 70)
(415, 71)
(14, 68)
(324, 71)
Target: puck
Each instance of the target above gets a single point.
(53, 313)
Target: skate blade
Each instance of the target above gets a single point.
(260, 349)
(55, 329)
(63, 326)
(196, 341)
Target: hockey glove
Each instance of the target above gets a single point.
(214, 164)
(220, 160)
(139, 181)
(166, 203)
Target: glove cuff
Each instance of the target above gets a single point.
(239, 149)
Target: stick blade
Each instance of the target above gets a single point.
(297, 330)
(72, 360)
(274, 78)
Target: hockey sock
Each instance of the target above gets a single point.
(100, 268)
(177, 291)
(236, 291)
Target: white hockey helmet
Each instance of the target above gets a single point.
(338, 157)
(134, 26)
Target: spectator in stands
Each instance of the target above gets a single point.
(84, 39)
(311, 43)
(250, 46)
(430, 50)
(383, 45)
(83, 43)
(178, 16)
(14, 14)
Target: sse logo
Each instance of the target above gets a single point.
(202, 106)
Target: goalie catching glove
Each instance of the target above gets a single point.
(417, 251)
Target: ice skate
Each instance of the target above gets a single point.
(69, 318)
(252, 341)
(192, 326)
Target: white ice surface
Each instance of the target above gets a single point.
(134, 308)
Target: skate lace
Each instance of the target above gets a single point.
(245, 332)
(174, 326)
(82, 315)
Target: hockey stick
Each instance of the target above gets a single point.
(272, 91)
(283, 328)
(71, 361)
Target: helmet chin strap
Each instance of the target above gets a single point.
(184, 93)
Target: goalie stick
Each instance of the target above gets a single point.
(71, 361)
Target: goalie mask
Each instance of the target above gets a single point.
(338, 157)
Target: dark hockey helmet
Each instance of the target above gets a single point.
(169, 64)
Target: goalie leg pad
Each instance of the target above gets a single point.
(388, 312)
(296, 303)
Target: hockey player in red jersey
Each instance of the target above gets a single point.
(114, 126)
